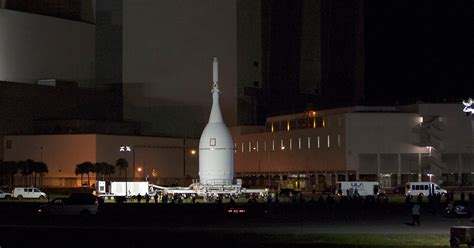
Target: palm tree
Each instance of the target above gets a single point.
(122, 164)
(80, 170)
(109, 169)
(10, 168)
(104, 169)
(35, 168)
(99, 169)
(30, 167)
(84, 168)
(24, 171)
(41, 168)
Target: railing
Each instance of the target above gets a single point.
(218, 181)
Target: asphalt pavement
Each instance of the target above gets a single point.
(139, 225)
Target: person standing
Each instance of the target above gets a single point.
(415, 214)
(155, 197)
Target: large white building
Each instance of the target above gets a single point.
(390, 144)
(163, 160)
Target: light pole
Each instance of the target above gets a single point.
(184, 157)
(41, 154)
(430, 175)
(125, 149)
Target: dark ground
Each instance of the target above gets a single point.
(209, 225)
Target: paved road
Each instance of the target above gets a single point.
(134, 222)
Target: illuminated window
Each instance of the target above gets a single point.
(282, 145)
(273, 128)
(309, 142)
(250, 146)
(299, 143)
(242, 146)
(314, 122)
(291, 144)
(273, 145)
(324, 123)
(235, 148)
(288, 126)
(329, 141)
(257, 145)
(339, 140)
(318, 143)
(212, 142)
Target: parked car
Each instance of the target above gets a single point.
(83, 204)
(5, 195)
(458, 209)
(28, 192)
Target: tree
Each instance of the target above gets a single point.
(99, 170)
(41, 169)
(85, 168)
(10, 168)
(122, 164)
(35, 168)
(104, 169)
(24, 171)
(109, 169)
(30, 169)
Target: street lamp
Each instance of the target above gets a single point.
(125, 149)
(430, 175)
(139, 169)
(429, 149)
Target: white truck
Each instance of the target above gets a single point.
(363, 188)
(122, 189)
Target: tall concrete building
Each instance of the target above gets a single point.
(47, 40)
(161, 54)
(307, 55)
(318, 54)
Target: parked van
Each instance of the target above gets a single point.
(363, 188)
(28, 192)
(424, 188)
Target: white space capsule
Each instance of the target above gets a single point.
(216, 149)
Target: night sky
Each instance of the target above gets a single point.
(419, 50)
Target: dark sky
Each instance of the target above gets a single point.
(417, 50)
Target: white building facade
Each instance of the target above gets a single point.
(160, 160)
(392, 145)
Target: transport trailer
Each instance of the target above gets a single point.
(115, 189)
(129, 189)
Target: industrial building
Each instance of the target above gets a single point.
(41, 43)
(160, 160)
(393, 145)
